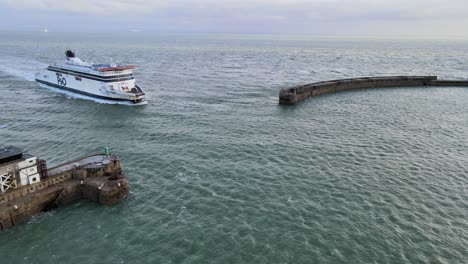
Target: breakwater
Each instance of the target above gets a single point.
(97, 178)
(294, 95)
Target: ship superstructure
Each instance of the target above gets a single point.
(105, 81)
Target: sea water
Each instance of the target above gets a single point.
(220, 173)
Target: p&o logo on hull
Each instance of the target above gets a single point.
(61, 80)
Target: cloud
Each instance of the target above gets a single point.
(101, 7)
(268, 16)
(273, 9)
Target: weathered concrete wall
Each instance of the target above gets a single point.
(297, 94)
(450, 83)
(104, 184)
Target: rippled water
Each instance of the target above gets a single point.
(220, 173)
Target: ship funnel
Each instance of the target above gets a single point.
(70, 54)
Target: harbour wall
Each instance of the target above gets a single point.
(101, 183)
(294, 95)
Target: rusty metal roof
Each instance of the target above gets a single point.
(9, 153)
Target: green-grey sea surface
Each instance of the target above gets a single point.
(220, 173)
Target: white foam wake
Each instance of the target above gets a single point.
(21, 67)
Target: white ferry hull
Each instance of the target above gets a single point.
(90, 86)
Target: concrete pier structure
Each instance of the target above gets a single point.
(294, 95)
(97, 178)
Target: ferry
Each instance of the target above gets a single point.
(104, 81)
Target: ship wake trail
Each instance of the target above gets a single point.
(23, 68)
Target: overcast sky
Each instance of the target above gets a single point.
(418, 18)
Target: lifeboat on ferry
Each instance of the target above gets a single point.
(117, 68)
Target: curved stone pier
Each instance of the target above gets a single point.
(294, 95)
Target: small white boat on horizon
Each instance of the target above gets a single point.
(104, 81)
